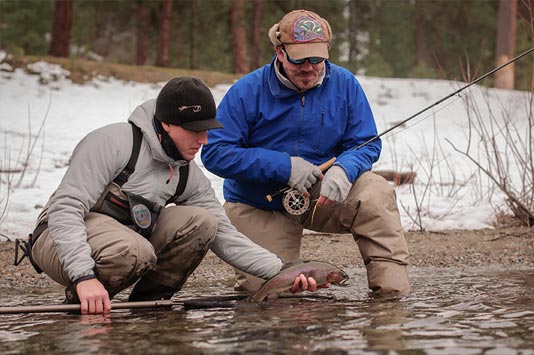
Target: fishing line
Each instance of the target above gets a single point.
(297, 203)
(416, 122)
(435, 104)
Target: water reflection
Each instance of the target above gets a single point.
(452, 311)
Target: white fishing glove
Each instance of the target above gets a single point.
(303, 174)
(336, 184)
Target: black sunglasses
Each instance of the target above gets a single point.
(312, 60)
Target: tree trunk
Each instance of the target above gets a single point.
(351, 32)
(506, 33)
(192, 37)
(256, 32)
(60, 45)
(421, 41)
(164, 34)
(239, 37)
(142, 33)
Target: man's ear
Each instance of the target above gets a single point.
(166, 127)
(279, 53)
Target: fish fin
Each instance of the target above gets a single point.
(254, 298)
(272, 297)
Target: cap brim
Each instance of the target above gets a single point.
(204, 125)
(306, 50)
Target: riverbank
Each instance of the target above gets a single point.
(511, 246)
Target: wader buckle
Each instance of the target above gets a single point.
(26, 247)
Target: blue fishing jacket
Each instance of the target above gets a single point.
(265, 123)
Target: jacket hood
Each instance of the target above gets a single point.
(143, 117)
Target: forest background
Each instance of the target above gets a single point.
(437, 39)
(153, 41)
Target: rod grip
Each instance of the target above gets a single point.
(324, 166)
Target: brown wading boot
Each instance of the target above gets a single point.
(148, 290)
(71, 297)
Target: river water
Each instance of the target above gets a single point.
(452, 311)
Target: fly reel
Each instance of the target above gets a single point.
(295, 202)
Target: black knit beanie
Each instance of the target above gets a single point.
(187, 102)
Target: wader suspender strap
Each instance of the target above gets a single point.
(26, 245)
(184, 172)
(125, 174)
(130, 167)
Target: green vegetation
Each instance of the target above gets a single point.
(399, 38)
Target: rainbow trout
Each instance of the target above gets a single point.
(321, 271)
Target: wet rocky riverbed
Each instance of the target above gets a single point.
(473, 294)
(470, 310)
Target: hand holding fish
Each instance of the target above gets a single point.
(301, 276)
(303, 283)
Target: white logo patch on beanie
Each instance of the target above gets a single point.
(196, 108)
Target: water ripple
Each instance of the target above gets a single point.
(452, 311)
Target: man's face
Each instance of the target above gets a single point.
(304, 76)
(187, 142)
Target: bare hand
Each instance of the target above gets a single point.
(94, 297)
(324, 202)
(306, 284)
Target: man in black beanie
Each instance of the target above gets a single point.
(134, 206)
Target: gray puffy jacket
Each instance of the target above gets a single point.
(100, 157)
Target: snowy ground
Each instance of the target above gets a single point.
(450, 192)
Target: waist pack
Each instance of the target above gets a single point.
(131, 210)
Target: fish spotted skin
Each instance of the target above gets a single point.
(321, 271)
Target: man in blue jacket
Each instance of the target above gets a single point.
(282, 121)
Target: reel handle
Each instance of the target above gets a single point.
(323, 167)
(270, 197)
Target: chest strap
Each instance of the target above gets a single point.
(125, 174)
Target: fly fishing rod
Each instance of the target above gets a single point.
(193, 303)
(297, 203)
(76, 307)
(210, 302)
